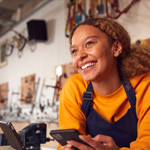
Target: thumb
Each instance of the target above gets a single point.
(103, 139)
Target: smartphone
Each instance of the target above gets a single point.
(64, 135)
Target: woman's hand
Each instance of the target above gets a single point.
(99, 142)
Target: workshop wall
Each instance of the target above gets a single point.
(41, 58)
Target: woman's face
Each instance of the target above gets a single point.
(93, 55)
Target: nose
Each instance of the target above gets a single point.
(82, 54)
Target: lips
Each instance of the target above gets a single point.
(87, 65)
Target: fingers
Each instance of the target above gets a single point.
(93, 143)
(67, 147)
(102, 138)
(106, 140)
(79, 145)
(99, 142)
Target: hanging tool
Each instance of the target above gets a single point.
(19, 39)
(80, 14)
(118, 13)
(70, 23)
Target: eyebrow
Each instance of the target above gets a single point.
(92, 36)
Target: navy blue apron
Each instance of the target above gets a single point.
(124, 130)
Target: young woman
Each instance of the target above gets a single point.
(108, 101)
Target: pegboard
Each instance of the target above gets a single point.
(3, 94)
(67, 71)
(27, 89)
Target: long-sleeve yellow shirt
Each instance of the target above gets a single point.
(110, 107)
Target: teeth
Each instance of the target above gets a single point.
(87, 65)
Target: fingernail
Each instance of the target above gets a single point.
(80, 136)
(69, 145)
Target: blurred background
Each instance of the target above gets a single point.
(35, 60)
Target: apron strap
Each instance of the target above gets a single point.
(88, 94)
(87, 100)
(129, 91)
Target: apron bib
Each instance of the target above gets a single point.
(124, 130)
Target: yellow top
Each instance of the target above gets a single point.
(110, 107)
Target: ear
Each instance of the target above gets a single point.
(117, 48)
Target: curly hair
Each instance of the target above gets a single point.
(134, 60)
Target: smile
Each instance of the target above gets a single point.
(87, 65)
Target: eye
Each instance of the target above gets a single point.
(89, 43)
(73, 51)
